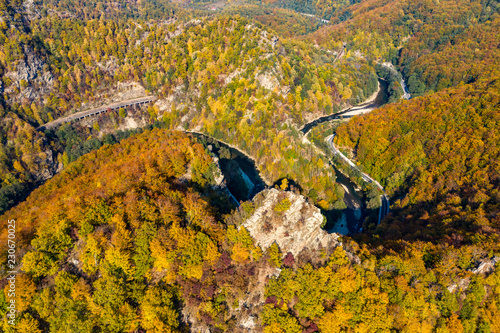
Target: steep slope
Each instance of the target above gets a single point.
(91, 237)
(130, 237)
(286, 23)
(436, 44)
(323, 9)
(289, 221)
(210, 75)
(439, 157)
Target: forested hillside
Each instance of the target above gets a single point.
(439, 157)
(436, 44)
(325, 9)
(209, 74)
(287, 23)
(121, 236)
(124, 222)
(130, 238)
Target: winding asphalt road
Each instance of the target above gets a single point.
(384, 207)
(406, 94)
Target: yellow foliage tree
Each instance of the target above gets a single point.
(28, 324)
(240, 254)
(335, 321)
(453, 324)
(25, 291)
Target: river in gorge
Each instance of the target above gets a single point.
(350, 220)
(241, 175)
(243, 180)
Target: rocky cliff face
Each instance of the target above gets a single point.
(47, 166)
(29, 78)
(289, 220)
(294, 224)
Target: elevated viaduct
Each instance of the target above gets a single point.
(97, 111)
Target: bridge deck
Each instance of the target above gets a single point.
(95, 111)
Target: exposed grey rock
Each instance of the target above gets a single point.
(249, 323)
(296, 229)
(31, 10)
(49, 167)
(219, 177)
(486, 266)
(461, 285)
(26, 69)
(30, 70)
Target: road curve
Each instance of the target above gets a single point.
(384, 207)
(373, 102)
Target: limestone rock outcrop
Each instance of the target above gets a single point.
(289, 220)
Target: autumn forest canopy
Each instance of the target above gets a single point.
(126, 221)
